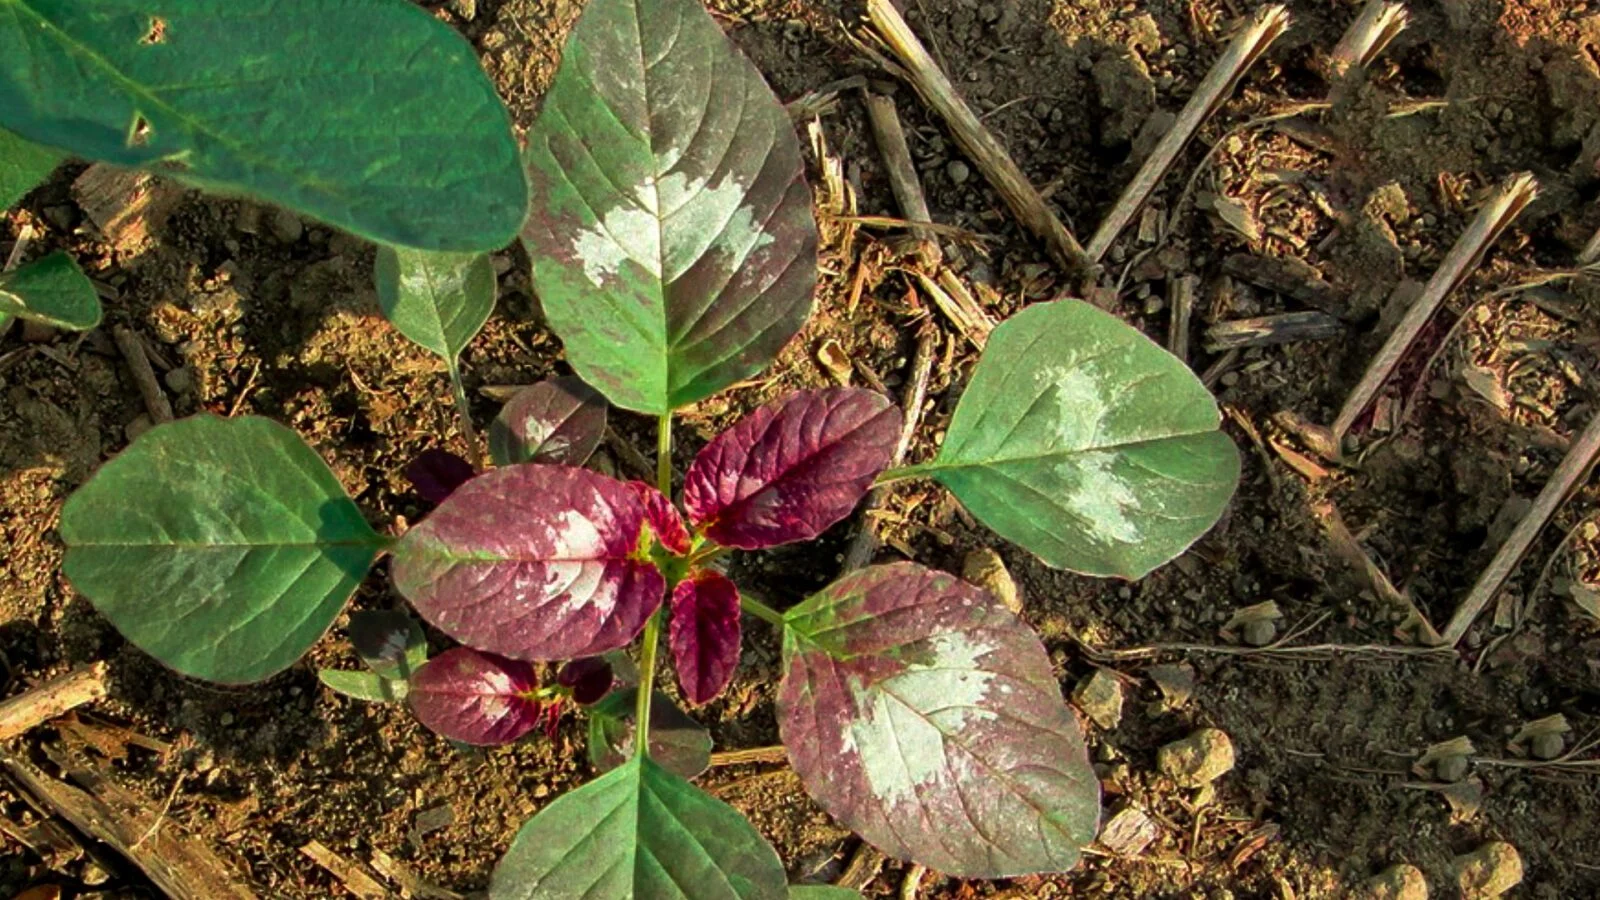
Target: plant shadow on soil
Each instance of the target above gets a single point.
(276, 318)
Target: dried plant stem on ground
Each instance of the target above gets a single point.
(975, 140)
(1499, 212)
(55, 697)
(352, 875)
(144, 377)
(751, 755)
(14, 258)
(1282, 328)
(959, 306)
(1284, 646)
(1573, 467)
(1377, 26)
(903, 180)
(1248, 46)
(866, 540)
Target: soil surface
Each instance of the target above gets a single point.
(1365, 184)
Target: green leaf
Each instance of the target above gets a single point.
(821, 892)
(52, 290)
(367, 686)
(222, 547)
(369, 115)
(671, 231)
(1084, 442)
(438, 300)
(24, 165)
(638, 831)
(677, 742)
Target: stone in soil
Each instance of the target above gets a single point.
(984, 567)
(1198, 759)
(1398, 882)
(1100, 698)
(1488, 871)
(1128, 832)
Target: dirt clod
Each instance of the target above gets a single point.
(1451, 768)
(1398, 882)
(1488, 871)
(1129, 832)
(1546, 746)
(1100, 698)
(1198, 759)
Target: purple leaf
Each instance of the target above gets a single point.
(663, 518)
(532, 562)
(792, 468)
(923, 715)
(437, 473)
(559, 421)
(704, 635)
(588, 679)
(476, 698)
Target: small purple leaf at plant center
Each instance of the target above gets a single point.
(663, 518)
(532, 562)
(792, 468)
(559, 421)
(704, 635)
(588, 679)
(476, 698)
(437, 473)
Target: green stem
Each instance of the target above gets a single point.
(760, 610)
(464, 411)
(652, 628)
(903, 473)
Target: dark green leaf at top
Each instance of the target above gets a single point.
(532, 562)
(671, 230)
(24, 165)
(51, 290)
(369, 115)
(222, 547)
(677, 742)
(638, 831)
(923, 715)
(437, 300)
(559, 421)
(792, 468)
(390, 642)
(1087, 444)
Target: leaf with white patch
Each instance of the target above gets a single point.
(792, 468)
(559, 421)
(532, 562)
(437, 300)
(476, 698)
(638, 831)
(923, 715)
(671, 231)
(1087, 444)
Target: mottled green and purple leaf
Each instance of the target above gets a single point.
(559, 421)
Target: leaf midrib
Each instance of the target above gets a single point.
(935, 465)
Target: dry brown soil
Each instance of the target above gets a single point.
(267, 315)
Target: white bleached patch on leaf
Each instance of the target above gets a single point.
(1101, 497)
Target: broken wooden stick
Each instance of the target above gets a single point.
(866, 539)
(1263, 331)
(184, 868)
(1372, 31)
(1572, 469)
(903, 181)
(776, 753)
(411, 885)
(14, 258)
(55, 697)
(1181, 297)
(959, 306)
(975, 140)
(354, 876)
(1248, 46)
(144, 377)
(1499, 212)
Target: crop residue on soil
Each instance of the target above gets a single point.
(253, 311)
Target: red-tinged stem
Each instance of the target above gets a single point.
(652, 628)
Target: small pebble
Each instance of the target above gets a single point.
(286, 226)
(1259, 632)
(140, 424)
(958, 171)
(180, 380)
(1547, 746)
(1450, 768)
(1100, 698)
(1398, 882)
(1488, 871)
(1198, 759)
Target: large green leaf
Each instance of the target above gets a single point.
(52, 290)
(367, 114)
(670, 230)
(1087, 444)
(23, 165)
(222, 547)
(438, 300)
(638, 831)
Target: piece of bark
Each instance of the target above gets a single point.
(411, 884)
(180, 865)
(38, 705)
(144, 377)
(1264, 331)
(126, 205)
(903, 181)
(979, 144)
(1181, 298)
(352, 875)
(1293, 278)
(864, 865)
